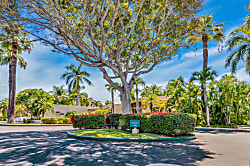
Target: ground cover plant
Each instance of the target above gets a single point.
(114, 133)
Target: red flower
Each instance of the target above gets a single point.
(168, 115)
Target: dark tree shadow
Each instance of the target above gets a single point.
(55, 148)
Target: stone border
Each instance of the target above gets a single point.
(129, 139)
(35, 124)
(220, 129)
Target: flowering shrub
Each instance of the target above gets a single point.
(171, 124)
(88, 121)
(114, 119)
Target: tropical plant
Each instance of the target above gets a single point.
(111, 89)
(108, 102)
(96, 103)
(204, 76)
(74, 77)
(138, 81)
(36, 100)
(4, 108)
(60, 95)
(68, 114)
(205, 32)
(150, 101)
(14, 41)
(153, 89)
(238, 42)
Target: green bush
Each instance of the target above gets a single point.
(88, 121)
(68, 114)
(56, 120)
(171, 124)
(26, 120)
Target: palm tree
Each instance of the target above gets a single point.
(112, 90)
(74, 77)
(247, 20)
(203, 77)
(205, 32)
(239, 41)
(138, 81)
(150, 101)
(59, 92)
(13, 41)
(96, 103)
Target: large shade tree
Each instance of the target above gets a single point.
(206, 31)
(74, 76)
(14, 42)
(122, 38)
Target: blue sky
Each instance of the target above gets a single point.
(45, 67)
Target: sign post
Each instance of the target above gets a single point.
(135, 124)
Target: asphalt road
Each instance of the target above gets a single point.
(51, 146)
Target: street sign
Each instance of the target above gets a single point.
(134, 123)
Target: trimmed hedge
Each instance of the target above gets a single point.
(88, 121)
(171, 124)
(113, 119)
(56, 120)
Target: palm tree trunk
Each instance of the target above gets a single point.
(78, 92)
(205, 102)
(205, 51)
(112, 98)
(137, 99)
(12, 84)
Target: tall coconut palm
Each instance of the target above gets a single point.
(138, 81)
(111, 89)
(239, 41)
(203, 77)
(13, 42)
(74, 76)
(206, 31)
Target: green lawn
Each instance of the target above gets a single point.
(114, 133)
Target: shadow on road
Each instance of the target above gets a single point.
(55, 148)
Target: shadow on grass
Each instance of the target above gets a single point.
(55, 148)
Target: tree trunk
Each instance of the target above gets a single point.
(151, 107)
(125, 96)
(137, 100)
(205, 102)
(78, 92)
(12, 84)
(205, 51)
(112, 98)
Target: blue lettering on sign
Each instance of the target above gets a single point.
(134, 123)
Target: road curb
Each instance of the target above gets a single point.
(129, 139)
(220, 129)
